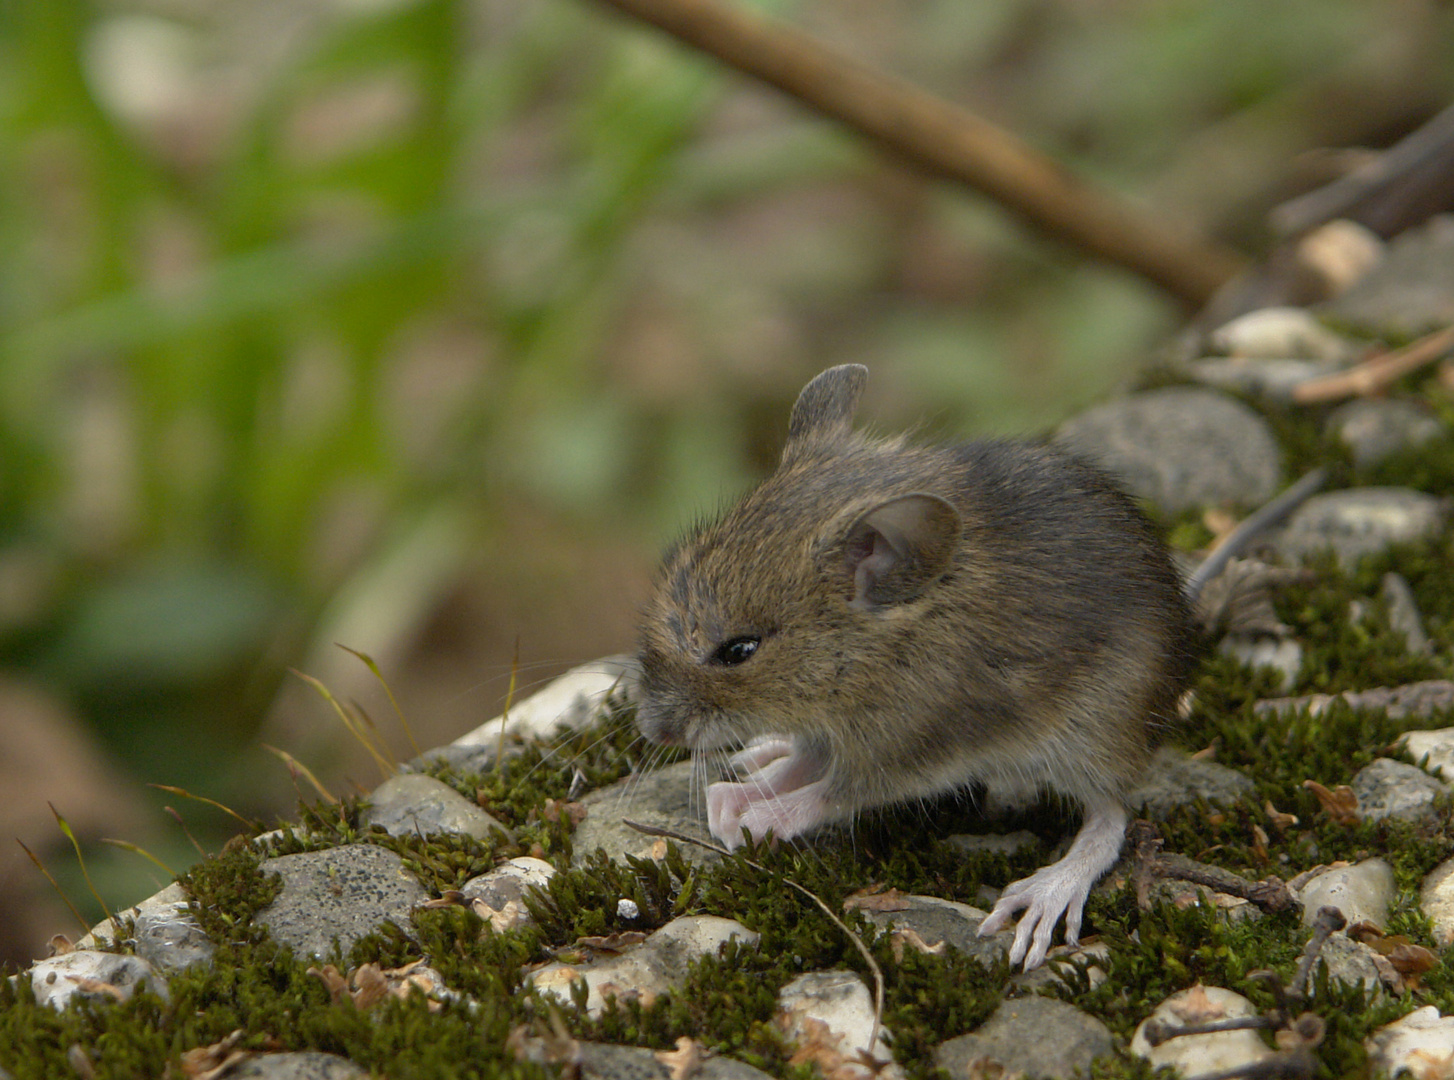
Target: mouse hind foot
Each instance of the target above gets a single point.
(1060, 888)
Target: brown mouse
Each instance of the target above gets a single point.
(881, 621)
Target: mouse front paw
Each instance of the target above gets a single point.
(734, 807)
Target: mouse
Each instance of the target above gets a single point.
(882, 621)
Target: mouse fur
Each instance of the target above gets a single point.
(882, 621)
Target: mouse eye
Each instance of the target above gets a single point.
(736, 650)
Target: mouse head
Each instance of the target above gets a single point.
(773, 617)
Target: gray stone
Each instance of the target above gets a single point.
(1180, 448)
(605, 1061)
(1360, 521)
(411, 804)
(1404, 617)
(1351, 962)
(344, 893)
(663, 798)
(1411, 292)
(1416, 1046)
(1038, 1036)
(1220, 1051)
(1283, 654)
(948, 921)
(1270, 380)
(1377, 428)
(102, 976)
(169, 938)
(1362, 892)
(1392, 789)
(1436, 900)
(498, 896)
(166, 935)
(655, 966)
(1173, 779)
(834, 1011)
(1280, 333)
(302, 1065)
(1411, 699)
(1434, 749)
(1059, 961)
(572, 701)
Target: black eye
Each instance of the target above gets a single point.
(736, 650)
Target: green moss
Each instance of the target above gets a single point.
(729, 1000)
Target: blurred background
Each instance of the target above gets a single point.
(422, 325)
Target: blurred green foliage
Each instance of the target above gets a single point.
(296, 299)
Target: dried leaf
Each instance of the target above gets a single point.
(96, 986)
(333, 979)
(369, 986)
(908, 936)
(575, 812)
(60, 945)
(1197, 1008)
(1259, 843)
(612, 943)
(1340, 804)
(501, 919)
(685, 1060)
(1279, 821)
(208, 1062)
(888, 900)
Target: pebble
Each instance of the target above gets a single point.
(669, 798)
(1435, 749)
(1411, 699)
(344, 892)
(572, 701)
(1181, 448)
(1034, 1036)
(605, 1061)
(1374, 428)
(106, 976)
(498, 896)
(1404, 617)
(1220, 1051)
(1411, 291)
(411, 804)
(1362, 892)
(305, 1065)
(1421, 1046)
(1340, 253)
(937, 921)
(1268, 380)
(831, 1012)
(654, 967)
(1174, 779)
(1360, 521)
(1352, 963)
(1280, 333)
(166, 935)
(1393, 789)
(1282, 654)
(1436, 900)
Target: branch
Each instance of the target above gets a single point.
(947, 141)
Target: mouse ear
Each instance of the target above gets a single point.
(825, 406)
(895, 549)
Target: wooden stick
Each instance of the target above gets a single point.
(1373, 375)
(948, 141)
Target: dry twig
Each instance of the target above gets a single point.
(947, 141)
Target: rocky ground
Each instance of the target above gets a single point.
(488, 910)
